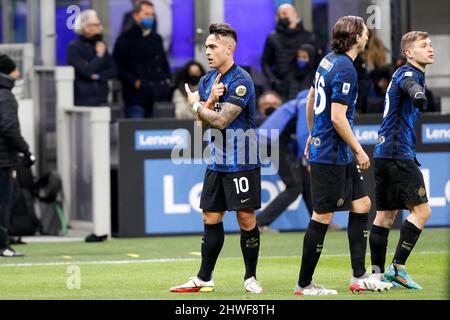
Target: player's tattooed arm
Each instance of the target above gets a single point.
(222, 119)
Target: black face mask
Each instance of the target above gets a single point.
(284, 23)
(96, 38)
(270, 110)
(194, 79)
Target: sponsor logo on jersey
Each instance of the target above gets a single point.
(422, 192)
(346, 88)
(319, 248)
(327, 65)
(241, 91)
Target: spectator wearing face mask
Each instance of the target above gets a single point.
(302, 71)
(281, 47)
(93, 64)
(143, 67)
(268, 102)
(191, 74)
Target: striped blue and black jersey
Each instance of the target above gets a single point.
(396, 137)
(233, 150)
(336, 80)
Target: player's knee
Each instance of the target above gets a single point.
(384, 220)
(362, 205)
(323, 218)
(211, 219)
(429, 212)
(247, 222)
(425, 213)
(367, 204)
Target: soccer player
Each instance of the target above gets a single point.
(399, 182)
(226, 101)
(336, 179)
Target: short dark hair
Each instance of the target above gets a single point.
(223, 29)
(138, 6)
(345, 32)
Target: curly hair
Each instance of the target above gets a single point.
(345, 32)
(223, 29)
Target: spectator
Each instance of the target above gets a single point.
(11, 144)
(281, 47)
(375, 54)
(190, 74)
(364, 84)
(380, 79)
(93, 64)
(374, 57)
(302, 68)
(398, 62)
(268, 102)
(142, 63)
(290, 120)
(128, 20)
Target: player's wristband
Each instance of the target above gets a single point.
(196, 106)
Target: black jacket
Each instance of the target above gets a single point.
(11, 140)
(280, 50)
(300, 79)
(141, 58)
(82, 56)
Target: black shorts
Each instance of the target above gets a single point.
(231, 191)
(398, 183)
(334, 187)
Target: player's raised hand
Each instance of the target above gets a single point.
(192, 97)
(217, 90)
(363, 160)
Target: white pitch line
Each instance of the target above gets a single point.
(71, 263)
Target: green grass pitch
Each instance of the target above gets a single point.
(146, 268)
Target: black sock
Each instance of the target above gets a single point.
(357, 240)
(409, 234)
(212, 243)
(250, 251)
(378, 241)
(312, 248)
